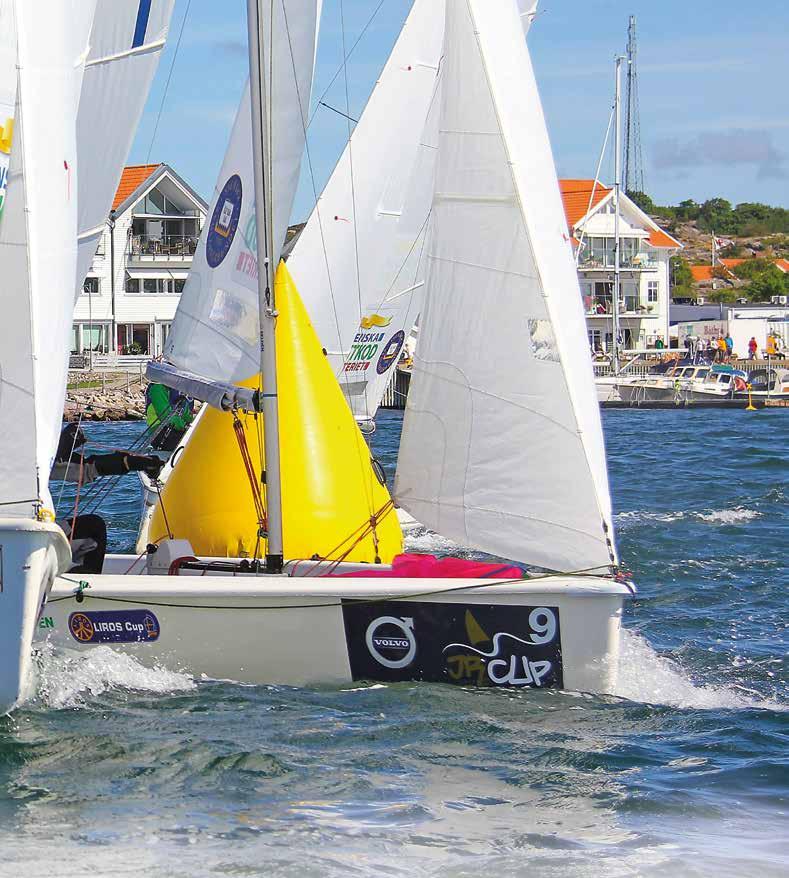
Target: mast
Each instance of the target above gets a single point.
(617, 193)
(261, 153)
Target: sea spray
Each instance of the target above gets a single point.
(70, 679)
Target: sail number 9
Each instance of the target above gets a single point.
(542, 622)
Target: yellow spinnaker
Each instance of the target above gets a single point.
(329, 489)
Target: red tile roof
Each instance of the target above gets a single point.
(577, 194)
(701, 272)
(132, 177)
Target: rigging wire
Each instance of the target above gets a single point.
(167, 83)
(345, 60)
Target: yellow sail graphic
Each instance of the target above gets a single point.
(329, 488)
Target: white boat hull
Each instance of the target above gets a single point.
(32, 553)
(296, 630)
(608, 388)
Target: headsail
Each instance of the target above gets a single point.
(126, 42)
(215, 334)
(38, 248)
(502, 445)
(359, 261)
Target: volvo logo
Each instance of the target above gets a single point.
(391, 641)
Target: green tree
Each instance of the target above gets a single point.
(642, 200)
(771, 282)
(724, 295)
(687, 210)
(752, 268)
(682, 284)
(716, 215)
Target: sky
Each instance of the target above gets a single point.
(713, 76)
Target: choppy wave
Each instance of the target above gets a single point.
(69, 679)
(735, 515)
(650, 678)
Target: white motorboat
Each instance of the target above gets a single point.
(685, 383)
(507, 461)
(769, 382)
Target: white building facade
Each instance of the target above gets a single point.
(142, 260)
(646, 250)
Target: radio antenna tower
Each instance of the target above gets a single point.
(633, 159)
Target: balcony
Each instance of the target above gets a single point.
(604, 261)
(596, 306)
(167, 248)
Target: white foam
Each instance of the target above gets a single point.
(650, 678)
(421, 540)
(69, 679)
(737, 515)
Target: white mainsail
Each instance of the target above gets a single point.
(502, 444)
(215, 334)
(359, 262)
(126, 42)
(38, 248)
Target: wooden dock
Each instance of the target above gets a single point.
(734, 404)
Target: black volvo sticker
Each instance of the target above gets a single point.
(114, 626)
(467, 644)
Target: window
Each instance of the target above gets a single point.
(652, 291)
(154, 286)
(91, 286)
(134, 338)
(94, 337)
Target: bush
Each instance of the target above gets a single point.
(771, 282)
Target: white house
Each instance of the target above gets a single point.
(646, 251)
(141, 263)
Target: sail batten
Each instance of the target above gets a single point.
(501, 425)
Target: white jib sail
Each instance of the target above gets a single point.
(359, 262)
(38, 247)
(126, 42)
(502, 444)
(215, 333)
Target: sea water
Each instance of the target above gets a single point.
(116, 769)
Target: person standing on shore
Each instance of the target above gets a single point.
(729, 346)
(752, 348)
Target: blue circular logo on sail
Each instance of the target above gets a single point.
(224, 222)
(391, 352)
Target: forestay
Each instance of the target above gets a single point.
(359, 262)
(502, 445)
(215, 333)
(126, 42)
(38, 248)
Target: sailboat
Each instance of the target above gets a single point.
(360, 259)
(70, 63)
(38, 244)
(502, 445)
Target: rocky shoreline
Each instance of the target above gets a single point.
(111, 399)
